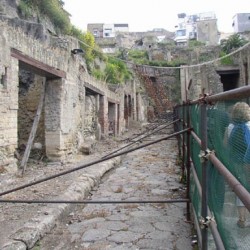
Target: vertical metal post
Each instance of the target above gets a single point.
(204, 230)
(188, 165)
(183, 144)
(177, 128)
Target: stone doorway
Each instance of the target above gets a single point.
(229, 78)
(29, 95)
(32, 76)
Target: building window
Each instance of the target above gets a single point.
(96, 33)
(107, 32)
(181, 33)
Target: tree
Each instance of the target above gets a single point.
(233, 42)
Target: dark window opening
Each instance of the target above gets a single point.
(229, 79)
(4, 78)
(246, 74)
(153, 79)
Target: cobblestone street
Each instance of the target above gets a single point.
(146, 174)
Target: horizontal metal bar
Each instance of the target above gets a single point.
(195, 136)
(236, 186)
(145, 136)
(94, 202)
(239, 93)
(91, 163)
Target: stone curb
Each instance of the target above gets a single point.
(33, 230)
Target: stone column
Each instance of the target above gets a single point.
(118, 127)
(8, 112)
(103, 114)
(53, 114)
(98, 133)
(134, 104)
(112, 115)
(137, 107)
(126, 111)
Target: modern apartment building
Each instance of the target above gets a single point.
(102, 30)
(201, 27)
(241, 22)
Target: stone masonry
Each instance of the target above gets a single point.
(68, 111)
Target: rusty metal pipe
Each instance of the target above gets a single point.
(94, 202)
(204, 180)
(214, 230)
(240, 191)
(239, 93)
(152, 127)
(90, 164)
(133, 142)
(195, 136)
(188, 163)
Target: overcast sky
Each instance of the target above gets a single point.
(144, 15)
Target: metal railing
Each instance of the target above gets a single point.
(203, 216)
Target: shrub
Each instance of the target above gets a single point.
(233, 42)
(227, 60)
(53, 9)
(116, 71)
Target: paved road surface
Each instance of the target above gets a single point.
(147, 174)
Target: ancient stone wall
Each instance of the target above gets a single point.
(69, 111)
(30, 86)
(8, 106)
(90, 116)
(203, 78)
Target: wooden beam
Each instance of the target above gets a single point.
(34, 129)
(40, 68)
(112, 101)
(93, 89)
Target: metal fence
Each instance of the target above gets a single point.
(216, 167)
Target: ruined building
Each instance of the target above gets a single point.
(75, 108)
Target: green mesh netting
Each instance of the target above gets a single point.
(228, 131)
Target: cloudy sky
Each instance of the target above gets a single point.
(144, 15)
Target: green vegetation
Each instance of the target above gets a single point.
(227, 60)
(174, 63)
(141, 57)
(195, 43)
(233, 42)
(138, 56)
(88, 45)
(53, 9)
(116, 71)
(228, 45)
(25, 9)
